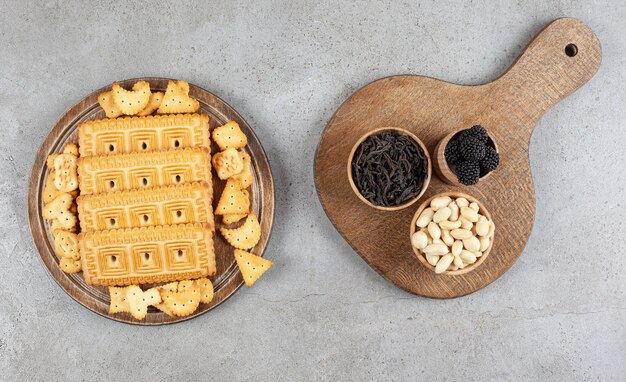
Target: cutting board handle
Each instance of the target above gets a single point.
(559, 60)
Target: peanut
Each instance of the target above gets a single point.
(484, 243)
(447, 224)
(454, 215)
(425, 217)
(434, 230)
(436, 249)
(465, 224)
(458, 262)
(432, 259)
(440, 202)
(446, 237)
(474, 206)
(482, 226)
(469, 214)
(461, 234)
(467, 257)
(471, 244)
(457, 247)
(443, 263)
(442, 214)
(462, 202)
(419, 240)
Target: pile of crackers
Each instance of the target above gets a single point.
(132, 203)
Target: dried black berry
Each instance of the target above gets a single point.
(468, 172)
(452, 153)
(490, 161)
(472, 149)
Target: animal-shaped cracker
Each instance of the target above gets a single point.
(66, 244)
(69, 265)
(56, 225)
(131, 102)
(138, 300)
(183, 302)
(245, 176)
(177, 100)
(246, 236)
(206, 290)
(251, 266)
(233, 218)
(65, 175)
(59, 209)
(170, 287)
(153, 104)
(229, 136)
(227, 163)
(106, 103)
(234, 200)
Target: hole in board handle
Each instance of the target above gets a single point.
(571, 50)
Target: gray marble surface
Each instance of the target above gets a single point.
(321, 313)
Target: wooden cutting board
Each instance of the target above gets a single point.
(561, 58)
(227, 279)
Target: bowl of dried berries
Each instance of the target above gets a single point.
(389, 168)
(467, 156)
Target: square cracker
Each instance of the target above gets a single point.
(229, 136)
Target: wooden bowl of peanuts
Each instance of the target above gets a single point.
(452, 233)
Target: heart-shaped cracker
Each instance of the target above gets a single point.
(131, 102)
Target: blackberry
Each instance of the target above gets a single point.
(490, 161)
(468, 172)
(476, 131)
(472, 149)
(452, 153)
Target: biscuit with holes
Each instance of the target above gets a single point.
(69, 265)
(227, 163)
(71, 149)
(232, 218)
(177, 100)
(131, 102)
(50, 161)
(65, 174)
(183, 303)
(246, 236)
(118, 304)
(245, 176)
(153, 104)
(59, 209)
(55, 225)
(229, 136)
(50, 191)
(206, 290)
(234, 200)
(66, 244)
(106, 103)
(138, 300)
(170, 287)
(251, 266)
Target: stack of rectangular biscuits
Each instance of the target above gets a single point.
(145, 204)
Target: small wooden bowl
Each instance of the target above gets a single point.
(426, 181)
(443, 170)
(419, 254)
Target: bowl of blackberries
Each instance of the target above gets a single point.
(465, 157)
(389, 168)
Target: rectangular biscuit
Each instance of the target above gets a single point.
(140, 134)
(147, 255)
(108, 173)
(178, 204)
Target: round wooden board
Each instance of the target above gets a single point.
(508, 107)
(227, 279)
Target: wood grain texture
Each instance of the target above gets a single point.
(227, 280)
(508, 107)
